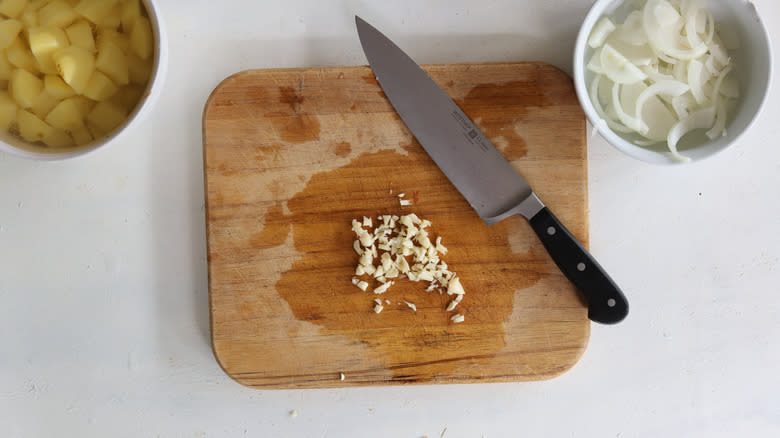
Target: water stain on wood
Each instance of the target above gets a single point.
(484, 99)
(342, 148)
(291, 97)
(271, 151)
(297, 129)
(226, 170)
(321, 215)
(295, 126)
(276, 227)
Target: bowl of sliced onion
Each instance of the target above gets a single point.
(672, 81)
(75, 74)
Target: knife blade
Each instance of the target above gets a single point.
(480, 172)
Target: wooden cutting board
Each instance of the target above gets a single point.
(292, 156)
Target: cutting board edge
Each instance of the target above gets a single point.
(366, 67)
(334, 382)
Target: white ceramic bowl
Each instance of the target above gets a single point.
(16, 146)
(752, 61)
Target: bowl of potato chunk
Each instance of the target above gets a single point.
(74, 74)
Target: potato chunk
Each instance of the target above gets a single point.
(31, 128)
(100, 87)
(25, 87)
(81, 134)
(9, 30)
(5, 69)
(113, 19)
(20, 55)
(12, 8)
(43, 42)
(142, 39)
(112, 61)
(80, 35)
(84, 105)
(117, 38)
(128, 96)
(67, 115)
(43, 104)
(8, 109)
(58, 13)
(95, 10)
(131, 11)
(58, 138)
(29, 18)
(55, 86)
(140, 69)
(75, 65)
(106, 116)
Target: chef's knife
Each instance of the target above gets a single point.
(480, 172)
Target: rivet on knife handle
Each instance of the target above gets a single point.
(606, 303)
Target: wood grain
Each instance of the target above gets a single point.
(292, 156)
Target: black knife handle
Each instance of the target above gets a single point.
(606, 303)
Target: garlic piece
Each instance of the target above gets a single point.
(383, 288)
(454, 287)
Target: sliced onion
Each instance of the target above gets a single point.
(719, 83)
(665, 35)
(600, 32)
(690, 12)
(719, 53)
(730, 87)
(654, 75)
(605, 90)
(637, 55)
(594, 97)
(712, 65)
(710, 24)
(632, 31)
(701, 21)
(700, 119)
(658, 118)
(594, 64)
(663, 56)
(646, 143)
(664, 13)
(628, 120)
(719, 128)
(668, 88)
(695, 74)
(683, 104)
(618, 68)
(680, 71)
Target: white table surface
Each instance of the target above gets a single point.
(103, 286)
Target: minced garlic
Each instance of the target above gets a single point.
(402, 247)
